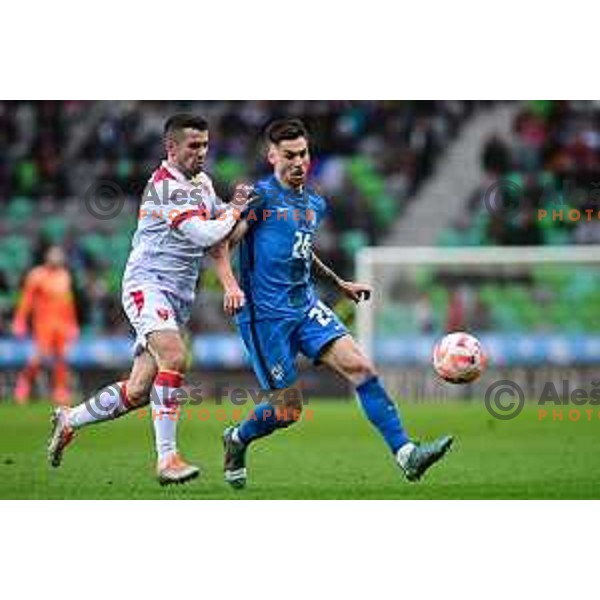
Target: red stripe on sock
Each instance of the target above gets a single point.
(124, 396)
(169, 378)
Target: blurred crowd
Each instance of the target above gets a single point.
(369, 159)
(542, 183)
(541, 186)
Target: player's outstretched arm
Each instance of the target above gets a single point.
(228, 224)
(233, 298)
(350, 289)
(207, 232)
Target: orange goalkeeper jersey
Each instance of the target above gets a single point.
(47, 296)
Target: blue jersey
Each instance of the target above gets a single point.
(276, 252)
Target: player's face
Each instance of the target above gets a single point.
(188, 151)
(291, 161)
(55, 257)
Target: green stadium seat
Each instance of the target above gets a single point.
(557, 237)
(450, 238)
(54, 229)
(18, 250)
(423, 279)
(19, 211)
(352, 241)
(27, 175)
(396, 319)
(96, 245)
(229, 170)
(385, 209)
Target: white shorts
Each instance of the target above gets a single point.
(151, 309)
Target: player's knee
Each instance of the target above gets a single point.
(173, 359)
(359, 368)
(169, 351)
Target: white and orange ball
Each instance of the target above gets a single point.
(458, 358)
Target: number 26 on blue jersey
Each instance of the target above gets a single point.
(302, 245)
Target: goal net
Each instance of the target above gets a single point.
(535, 309)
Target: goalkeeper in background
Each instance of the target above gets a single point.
(47, 301)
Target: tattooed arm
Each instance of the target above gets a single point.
(352, 290)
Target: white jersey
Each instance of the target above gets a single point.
(162, 256)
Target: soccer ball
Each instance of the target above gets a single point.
(458, 358)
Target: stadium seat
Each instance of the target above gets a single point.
(54, 229)
(19, 211)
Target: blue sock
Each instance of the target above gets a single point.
(382, 412)
(260, 422)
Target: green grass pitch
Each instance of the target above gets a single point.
(335, 455)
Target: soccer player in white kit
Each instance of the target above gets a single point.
(180, 219)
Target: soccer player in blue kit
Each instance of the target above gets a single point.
(280, 315)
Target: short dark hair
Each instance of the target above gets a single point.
(181, 121)
(285, 129)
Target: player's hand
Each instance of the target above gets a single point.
(19, 328)
(356, 291)
(243, 195)
(233, 300)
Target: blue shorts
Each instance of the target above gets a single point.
(274, 345)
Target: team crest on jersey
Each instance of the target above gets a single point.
(277, 372)
(163, 313)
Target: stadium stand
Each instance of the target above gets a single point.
(550, 162)
(549, 168)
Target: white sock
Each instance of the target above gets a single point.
(235, 436)
(108, 403)
(404, 452)
(165, 412)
